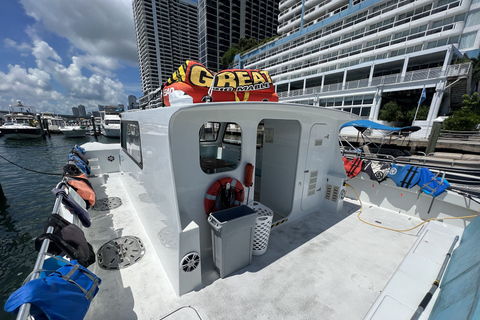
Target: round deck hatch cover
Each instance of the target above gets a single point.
(106, 204)
(120, 253)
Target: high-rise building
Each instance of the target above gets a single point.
(75, 111)
(222, 23)
(81, 110)
(167, 36)
(357, 55)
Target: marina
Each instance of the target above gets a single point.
(338, 247)
(284, 159)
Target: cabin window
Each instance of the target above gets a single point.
(130, 141)
(209, 131)
(220, 146)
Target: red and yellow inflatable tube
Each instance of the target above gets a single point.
(195, 80)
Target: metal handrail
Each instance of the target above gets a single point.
(24, 310)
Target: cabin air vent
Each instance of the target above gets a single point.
(336, 189)
(312, 185)
(328, 193)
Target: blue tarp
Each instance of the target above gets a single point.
(362, 125)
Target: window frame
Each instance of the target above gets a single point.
(123, 142)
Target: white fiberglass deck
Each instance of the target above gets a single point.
(325, 266)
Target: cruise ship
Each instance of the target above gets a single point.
(356, 55)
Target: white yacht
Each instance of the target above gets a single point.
(21, 123)
(335, 248)
(111, 122)
(54, 121)
(74, 131)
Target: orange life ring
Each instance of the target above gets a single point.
(216, 200)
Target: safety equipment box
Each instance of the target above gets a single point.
(233, 230)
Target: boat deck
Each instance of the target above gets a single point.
(325, 266)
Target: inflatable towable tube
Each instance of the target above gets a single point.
(193, 80)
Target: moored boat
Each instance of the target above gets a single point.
(110, 122)
(74, 131)
(176, 211)
(460, 169)
(53, 122)
(20, 123)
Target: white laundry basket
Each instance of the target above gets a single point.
(263, 224)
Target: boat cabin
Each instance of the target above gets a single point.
(170, 157)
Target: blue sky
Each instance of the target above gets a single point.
(57, 54)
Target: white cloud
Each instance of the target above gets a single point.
(35, 84)
(22, 83)
(101, 41)
(102, 28)
(9, 43)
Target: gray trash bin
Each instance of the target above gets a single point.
(232, 238)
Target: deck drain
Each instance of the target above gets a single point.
(120, 253)
(106, 204)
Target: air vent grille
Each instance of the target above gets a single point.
(336, 189)
(328, 193)
(312, 184)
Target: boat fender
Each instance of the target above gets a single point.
(431, 183)
(223, 194)
(352, 167)
(66, 239)
(84, 189)
(406, 176)
(65, 294)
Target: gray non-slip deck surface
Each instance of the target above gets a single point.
(324, 266)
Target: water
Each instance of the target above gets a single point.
(28, 202)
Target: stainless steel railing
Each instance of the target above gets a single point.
(24, 310)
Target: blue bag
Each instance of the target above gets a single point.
(64, 294)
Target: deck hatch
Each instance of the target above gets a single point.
(106, 204)
(120, 253)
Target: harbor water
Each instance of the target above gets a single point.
(28, 202)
